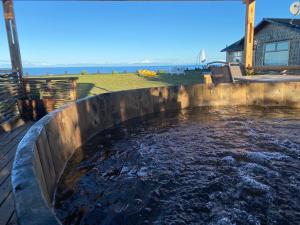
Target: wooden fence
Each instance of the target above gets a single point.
(10, 92)
(59, 90)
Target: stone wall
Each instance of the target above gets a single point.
(46, 148)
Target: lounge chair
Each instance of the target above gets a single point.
(222, 72)
(237, 70)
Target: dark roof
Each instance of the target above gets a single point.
(239, 45)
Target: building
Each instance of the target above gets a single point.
(276, 43)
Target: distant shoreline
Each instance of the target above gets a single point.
(40, 71)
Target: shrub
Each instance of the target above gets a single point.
(147, 73)
(250, 72)
(84, 72)
(161, 72)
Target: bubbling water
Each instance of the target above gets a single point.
(198, 166)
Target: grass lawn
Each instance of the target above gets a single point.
(96, 84)
(88, 85)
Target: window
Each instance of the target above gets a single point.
(277, 53)
(237, 56)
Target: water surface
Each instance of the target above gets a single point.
(37, 71)
(198, 166)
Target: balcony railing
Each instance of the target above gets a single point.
(50, 92)
(10, 92)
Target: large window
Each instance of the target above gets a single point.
(237, 56)
(277, 53)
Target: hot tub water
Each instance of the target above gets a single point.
(198, 166)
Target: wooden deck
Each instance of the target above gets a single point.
(8, 145)
(269, 78)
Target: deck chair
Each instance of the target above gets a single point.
(223, 72)
(237, 70)
(220, 72)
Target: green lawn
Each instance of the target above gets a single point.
(95, 84)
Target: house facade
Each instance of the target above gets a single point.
(276, 43)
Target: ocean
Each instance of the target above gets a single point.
(97, 69)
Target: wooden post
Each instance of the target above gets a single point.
(12, 37)
(73, 91)
(207, 79)
(249, 33)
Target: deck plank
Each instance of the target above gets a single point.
(8, 138)
(10, 154)
(5, 172)
(12, 220)
(7, 210)
(5, 190)
(268, 78)
(8, 146)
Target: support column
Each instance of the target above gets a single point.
(12, 37)
(249, 33)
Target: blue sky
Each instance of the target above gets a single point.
(71, 32)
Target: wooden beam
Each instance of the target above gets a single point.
(12, 36)
(249, 32)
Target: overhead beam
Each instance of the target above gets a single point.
(249, 32)
(12, 36)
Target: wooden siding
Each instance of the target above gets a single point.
(274, 33)
(230, 57)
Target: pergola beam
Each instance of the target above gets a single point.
(12, 36)
(249, 33)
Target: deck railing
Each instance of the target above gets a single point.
(52, 92)
(60, 89)
(10, 92)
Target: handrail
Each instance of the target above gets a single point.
(217, 62)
